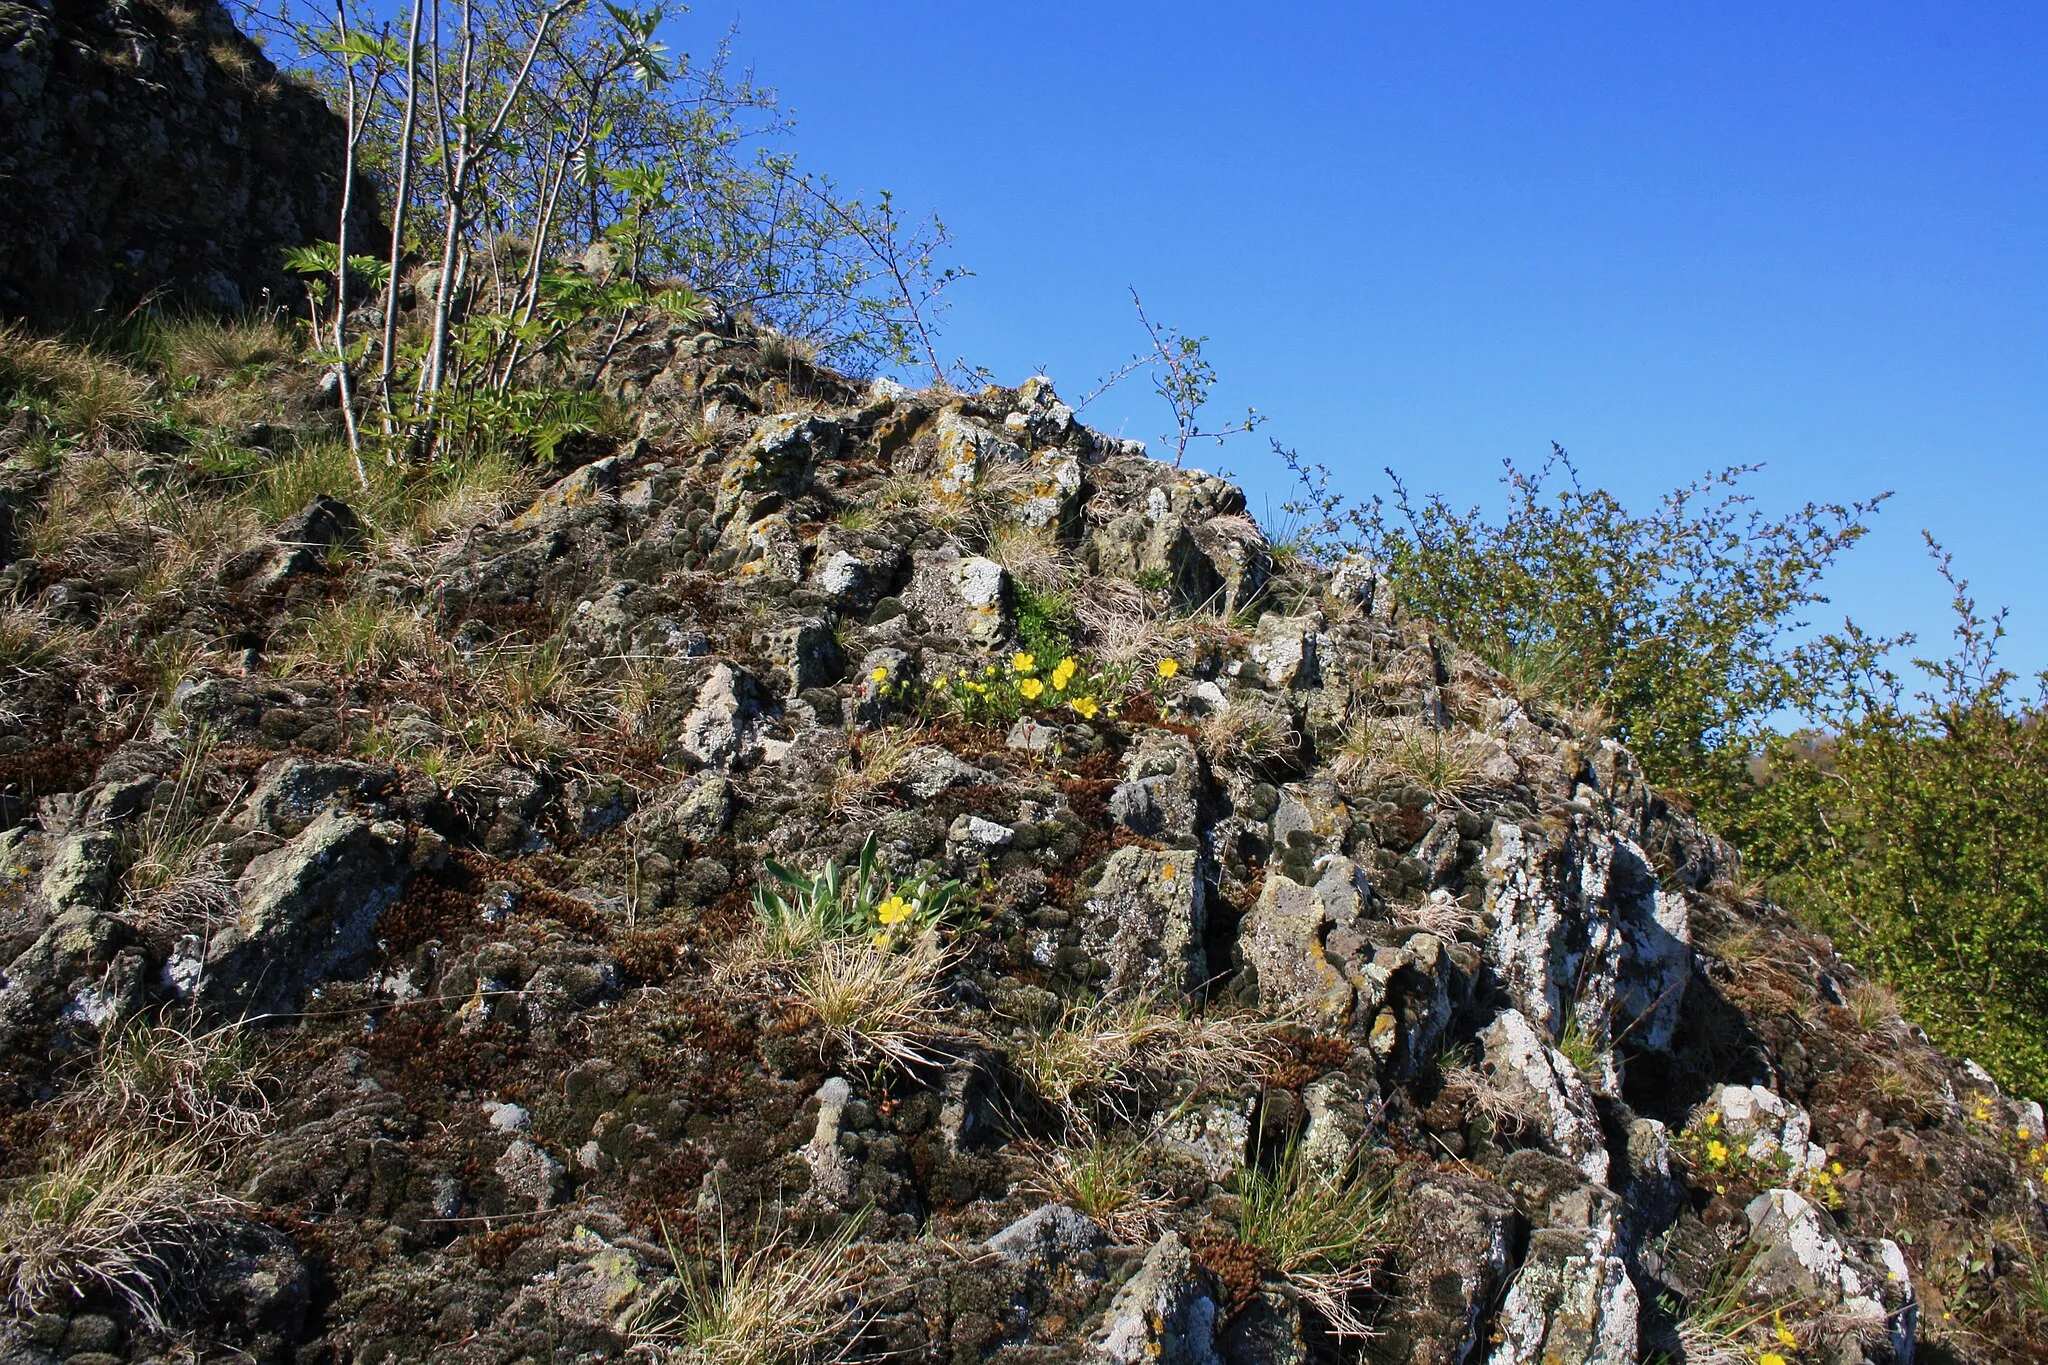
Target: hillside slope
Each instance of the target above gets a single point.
(426, 882)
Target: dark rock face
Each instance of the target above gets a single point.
(153, 147)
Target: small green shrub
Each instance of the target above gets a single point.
(1046, 625)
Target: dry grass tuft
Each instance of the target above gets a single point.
(1033, 555)
(88, 394)
(642, 685)
(206, 1087)
(1874, 1006)
(1407, 750)
(1113, 1058)
(1124, 624)
(876, 1004)
(118, 1216)
(360, 635)
(1248, 733)
(1104, 1179)
(1439, 913)
(175, 881)
(1507, 1110)
(882, 760)
(777, 1305)
(29, 638)
(1326, 1233)
(216, 348)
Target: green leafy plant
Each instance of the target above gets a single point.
(1046, 625)
(795, 914)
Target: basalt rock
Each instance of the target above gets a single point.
(160, 150)
(494, 915)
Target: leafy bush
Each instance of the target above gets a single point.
(1686, 622)
(1915, 827)
(796, 914)
(1910, 820)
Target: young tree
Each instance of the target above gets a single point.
(1182, 377)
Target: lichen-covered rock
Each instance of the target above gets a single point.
(719, 731)
(1145, 922)
(1160, 796)
(289, 792)
(1797, 1254)
(1456, 1265)
(1294, 944)
(1585, 935)
(965, 596)
(78, 871)
(1166, 1314)
(1520, 1061)
(307, 911)
(1569, 1302)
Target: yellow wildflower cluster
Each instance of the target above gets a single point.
(1721, 1161)
(1024, 684)
(2027, 1144)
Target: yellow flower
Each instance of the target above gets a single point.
(989, 672)
(1836, 1167)
(1168, 667)
(1084, 707)
(893, 911)
(878, 675)
(1714, 1119)
(2023, 1133)
(1770, 1358)
(1717, 1151)
(1030, 689)
(1023, 663)
(1062, 674)
(1784, 1334)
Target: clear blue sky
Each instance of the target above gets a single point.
(1434, 236)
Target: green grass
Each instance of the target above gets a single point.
(1325, 1232)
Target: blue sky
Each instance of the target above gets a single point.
(1436, 236)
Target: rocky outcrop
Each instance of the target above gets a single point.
(1341, 907)
(152, 149)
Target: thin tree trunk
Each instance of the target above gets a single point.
(452, 219)
(466, 151)
(387, 361)
(348, 185)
